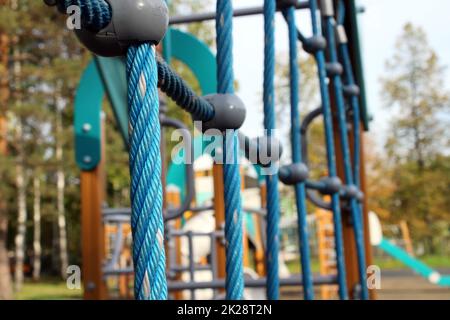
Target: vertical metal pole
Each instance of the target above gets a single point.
(173, 198)
(213, 261)
(191, 262)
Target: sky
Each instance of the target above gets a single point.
(380, 25)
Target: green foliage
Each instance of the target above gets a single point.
(48, 289)
(46, 62)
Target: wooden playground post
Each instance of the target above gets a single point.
(219, 211)
(93, 235)
(351, 259)
(260, 252)
(244, 230)
(325, 239)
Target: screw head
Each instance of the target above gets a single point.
(87, 127)
(87, 159)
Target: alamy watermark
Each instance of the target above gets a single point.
(73, 21)
(263, 151)
(73, 281)
(373, 277)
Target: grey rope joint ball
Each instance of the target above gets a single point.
(284, 4)
(133, 22)
(229, 112)
(351, 90)
(327, 186)
(349, 192)
(314, 44)
(334, 69)
(293, 174)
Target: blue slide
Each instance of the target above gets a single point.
(419, 267)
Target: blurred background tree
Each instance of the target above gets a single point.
(417, 158)
(40, 67)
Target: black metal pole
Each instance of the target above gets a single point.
(200, 17)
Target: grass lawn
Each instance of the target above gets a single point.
(431, 261)
(47, 289)
(384, 264)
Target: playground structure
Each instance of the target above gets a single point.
(167, 258)
(405, 256)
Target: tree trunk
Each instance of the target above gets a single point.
(37, 228)
(60, 176)
(5, 275)
(21, 213)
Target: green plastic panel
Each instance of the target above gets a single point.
(88, 103)
(197, 56)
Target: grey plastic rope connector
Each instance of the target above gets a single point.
(332, 185)
(265, 151)
(282, 4)
(360, 196)
(334, 69)
(341, 35)
(229, 112)
(133, 22)
(327, 8)
(314, 44)
(351, 90)
(350, 192)
(293, 174)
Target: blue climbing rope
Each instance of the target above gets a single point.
(341, 115)
(232, 181)
(300, 191)
(273, 206)
(354, 101)
(331, 158)
(145, 168)
(145, 158)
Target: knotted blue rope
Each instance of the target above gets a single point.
(232, 181)
(273, 206)
(145, 168)
(300, 191)
(331, 158)
(355, 208)
(180, 92)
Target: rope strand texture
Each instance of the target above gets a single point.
(145, 168)
(232, 180)
(331, 157)
(345, 149)
(145, 158)
(300, 191)
(273, 206)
